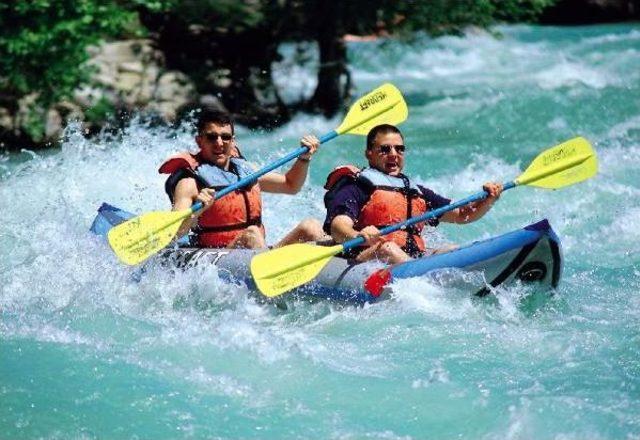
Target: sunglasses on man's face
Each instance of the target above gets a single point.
(386, 149)
(212, 137)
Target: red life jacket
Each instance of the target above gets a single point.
(392, 200)
(230, 215)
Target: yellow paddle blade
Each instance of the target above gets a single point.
(140, 237)
(384, 105)
(565, 164)
(280, 270)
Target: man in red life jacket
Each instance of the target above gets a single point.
(360, 202)
(235, 220)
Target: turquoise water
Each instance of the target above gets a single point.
(87, 354)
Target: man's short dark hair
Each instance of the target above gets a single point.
(381, 129)
(207, 116)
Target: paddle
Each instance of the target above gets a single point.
(280, 270)
(140, 237)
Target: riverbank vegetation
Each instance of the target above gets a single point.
(174, 55)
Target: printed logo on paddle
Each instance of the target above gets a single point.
(372, 100)
(559, 154)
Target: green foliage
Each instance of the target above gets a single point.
(34, 122)
(223, 15)
(43, 44)
(100, 111)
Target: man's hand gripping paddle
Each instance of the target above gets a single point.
(280, 270)
(140, 237)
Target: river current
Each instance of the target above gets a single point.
(87, 353)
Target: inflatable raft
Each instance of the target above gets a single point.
(531, 255)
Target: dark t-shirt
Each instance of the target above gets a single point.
(351, 197)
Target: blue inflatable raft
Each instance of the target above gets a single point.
(531, 255)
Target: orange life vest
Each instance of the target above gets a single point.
(219, 225)
(392, 200)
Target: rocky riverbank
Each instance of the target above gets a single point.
(191, 59)
(129, 76)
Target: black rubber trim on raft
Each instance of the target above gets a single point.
(185, 259)
(557, 263)
(344, 273)
(510, 269)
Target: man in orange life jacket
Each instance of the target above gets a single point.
(233, 221)
(360, 202)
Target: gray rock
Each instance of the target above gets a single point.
(6, 119)
(212, 102)
(59, 116)
(132, 67)
(173, 85)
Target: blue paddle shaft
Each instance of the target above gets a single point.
(358, 241)
(254, 176)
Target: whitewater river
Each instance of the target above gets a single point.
(87, 353)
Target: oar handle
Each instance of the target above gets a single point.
(358, 241)
(254, 176)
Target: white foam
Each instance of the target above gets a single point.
(571, 73)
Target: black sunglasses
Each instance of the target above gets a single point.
(386, 149)
(212, 137)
